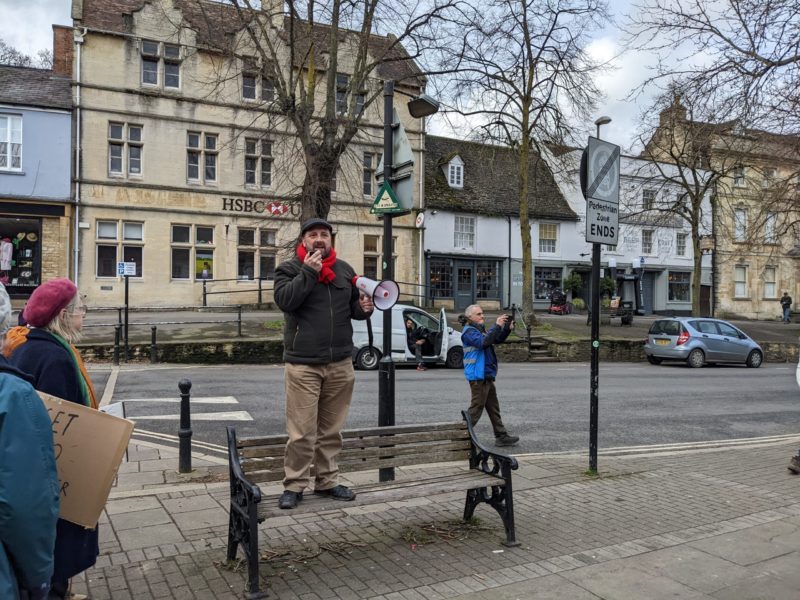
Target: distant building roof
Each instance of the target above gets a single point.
(24, 86)
(490, 181)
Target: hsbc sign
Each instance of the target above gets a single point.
(244, 205)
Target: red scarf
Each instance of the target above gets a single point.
(326, 275)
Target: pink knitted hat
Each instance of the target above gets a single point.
(48, 300)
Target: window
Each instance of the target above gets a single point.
(267, 89)
(769, 228)
(161, 62)
(371, 256)
(608, 248)
(769, 178)
(738, 176)
(740, 281)
(770, 287)
(464, 232)
(680, 286)
(455, 173)
(10, 143)
(113, 247)
(368, 173)
(256, 251)
(342, 85)
(545, 280)
(648, 199)
(680, 244)
(548, 238)
(257, 162)
(124, 149)
(188, 250)
(201, 150)
(487, 279)
(647, 241)
(248, 86)
(739, 224)
(441, 278)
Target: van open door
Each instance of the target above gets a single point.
(443, 340)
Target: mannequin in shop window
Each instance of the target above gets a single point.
(6, 250)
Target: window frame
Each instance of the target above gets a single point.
(122, 243)
(203, 153)
(651, 242)
(684, 237)
(649, 196)
(773, 282)
(195, 247)
(259, 250)
(679, 278)
(160, 57)
(455, 174)
(553, 239)
(770, 227)
(468, 235)
(744, 283)
(126, 146)
(10, 120)
(740, 224)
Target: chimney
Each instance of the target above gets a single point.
(62, 50)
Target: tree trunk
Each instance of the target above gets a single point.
(315, 197)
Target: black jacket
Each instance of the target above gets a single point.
(318, 328)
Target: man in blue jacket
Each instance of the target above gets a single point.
(480, 368)
(29, 484)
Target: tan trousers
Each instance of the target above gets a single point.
(484, 395)
(317, 400)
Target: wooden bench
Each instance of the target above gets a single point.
(485, 476)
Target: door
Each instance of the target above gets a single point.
(444, 335)
(648, 287)
(736, 349)
(465, 284)
(705, 300)
(712, 340)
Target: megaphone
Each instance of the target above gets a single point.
(384, 293)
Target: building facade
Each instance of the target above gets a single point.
(36, 206)
(190, 170)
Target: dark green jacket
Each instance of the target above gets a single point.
(318, 328)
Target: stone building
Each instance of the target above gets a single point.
(755, 243)
(36, 206)
(188, 166)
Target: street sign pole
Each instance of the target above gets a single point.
(386, 373)
(127, 355)
(594, 402)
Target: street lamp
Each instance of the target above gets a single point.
(418, 107)
(601, 121)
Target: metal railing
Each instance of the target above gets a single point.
(260, 289)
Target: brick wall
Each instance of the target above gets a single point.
(62, 50)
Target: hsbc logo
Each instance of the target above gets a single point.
(244, 205)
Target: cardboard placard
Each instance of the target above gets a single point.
(89, 445)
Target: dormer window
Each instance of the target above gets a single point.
(455, 173)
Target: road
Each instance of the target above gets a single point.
(547, 404)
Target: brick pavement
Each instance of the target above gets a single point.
(699, 523)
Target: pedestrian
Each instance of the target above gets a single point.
(315, 291)
(786, 305)
(29, 484)
(480, 368)
(54, 315)
(416, 339)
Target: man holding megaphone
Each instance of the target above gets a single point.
(315, 291)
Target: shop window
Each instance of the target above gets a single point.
(161, 64)
(256, 253)
(548, 238)
(20, 255)
(192, 253)
(10, 143)
(464, 232)
(487, 279)
(201, 157)
(680, 286)
(257, 162)
(545, 281)
(441, 278)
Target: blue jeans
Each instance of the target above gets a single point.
(786, 311)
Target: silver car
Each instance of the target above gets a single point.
(699, 341)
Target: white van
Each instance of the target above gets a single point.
(447, 348)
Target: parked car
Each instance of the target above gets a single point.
(445, 347)
(699, 342)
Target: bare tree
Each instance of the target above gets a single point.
(521, 75)
(11, 56)
(325, 61)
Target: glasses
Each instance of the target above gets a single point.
(80, 310)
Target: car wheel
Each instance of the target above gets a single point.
(455, 358)
(696, 358)
(754, 359)
(367, 358)
(653, 360)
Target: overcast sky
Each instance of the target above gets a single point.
(26, 25)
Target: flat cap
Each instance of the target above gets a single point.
(315, 222)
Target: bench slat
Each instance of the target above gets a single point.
(244, 442)
(387, 492)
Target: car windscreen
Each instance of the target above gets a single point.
(665, 328)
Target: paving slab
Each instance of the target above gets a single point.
(755, 544)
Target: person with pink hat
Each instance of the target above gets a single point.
(45, 351)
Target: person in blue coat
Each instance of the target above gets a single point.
(28, 482)
(480, 368)
(54, 315)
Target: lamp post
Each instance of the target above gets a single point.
(594, 404)
(418, 107)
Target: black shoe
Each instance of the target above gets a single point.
(338, 492)
(794, 465)
(289, 499)
(505, 440)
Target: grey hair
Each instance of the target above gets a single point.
(471, 309)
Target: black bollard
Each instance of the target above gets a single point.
(185, 433)
(153, 344)
(117, 330)
(239, 321)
